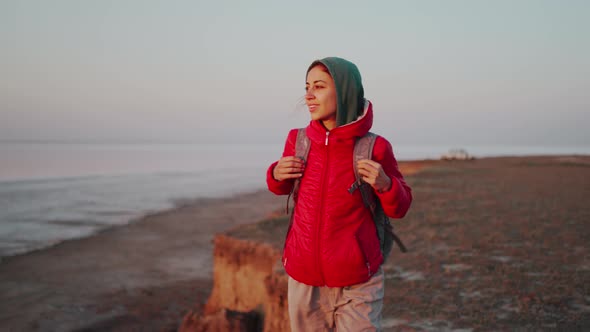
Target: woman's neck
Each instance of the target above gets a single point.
(329, 124)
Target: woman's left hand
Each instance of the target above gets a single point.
(372, 173)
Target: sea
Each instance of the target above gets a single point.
(54, 191)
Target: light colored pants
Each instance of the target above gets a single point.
(352, 308)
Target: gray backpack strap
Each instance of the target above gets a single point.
(302, 145)
(363, 149)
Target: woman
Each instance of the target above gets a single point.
(332, 253)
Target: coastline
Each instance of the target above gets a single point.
(159, 264)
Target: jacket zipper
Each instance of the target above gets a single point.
(321, 213)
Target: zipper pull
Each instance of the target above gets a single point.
(327, 134)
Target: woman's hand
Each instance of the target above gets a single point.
(288, 168)
(372, 173)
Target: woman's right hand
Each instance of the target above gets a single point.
(288, 168)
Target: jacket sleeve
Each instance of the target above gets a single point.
(282, 187)
(397, 200)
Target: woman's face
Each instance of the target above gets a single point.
(320, 96)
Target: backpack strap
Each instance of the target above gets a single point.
(363, 149)
(302, 145)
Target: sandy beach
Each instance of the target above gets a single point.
(495, 244)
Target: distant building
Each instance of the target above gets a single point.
(457, 154)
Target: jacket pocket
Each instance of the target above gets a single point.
(368, 242)
(363, 250)
(286, 248)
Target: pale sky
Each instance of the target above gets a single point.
(438, 72)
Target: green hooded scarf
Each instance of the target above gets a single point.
(349, 88)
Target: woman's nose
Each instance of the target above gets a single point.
(309, 94)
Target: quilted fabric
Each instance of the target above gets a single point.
(333, 241)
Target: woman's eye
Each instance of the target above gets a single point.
(315, 87)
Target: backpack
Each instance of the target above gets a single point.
(363, 149)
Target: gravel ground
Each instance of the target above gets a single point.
(498, 244)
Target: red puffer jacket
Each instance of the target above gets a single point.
(333, 241)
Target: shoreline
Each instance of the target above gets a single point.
(173, 203)
(140, 216)
(94, 280)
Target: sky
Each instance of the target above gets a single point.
(438, 72)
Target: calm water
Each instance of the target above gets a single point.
(54, 192)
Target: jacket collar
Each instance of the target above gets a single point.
(318, 133)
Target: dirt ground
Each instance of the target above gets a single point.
(497, 244)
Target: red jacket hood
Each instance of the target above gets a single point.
(317, 132)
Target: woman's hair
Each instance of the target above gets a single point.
(317, 63)
(349, 88)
